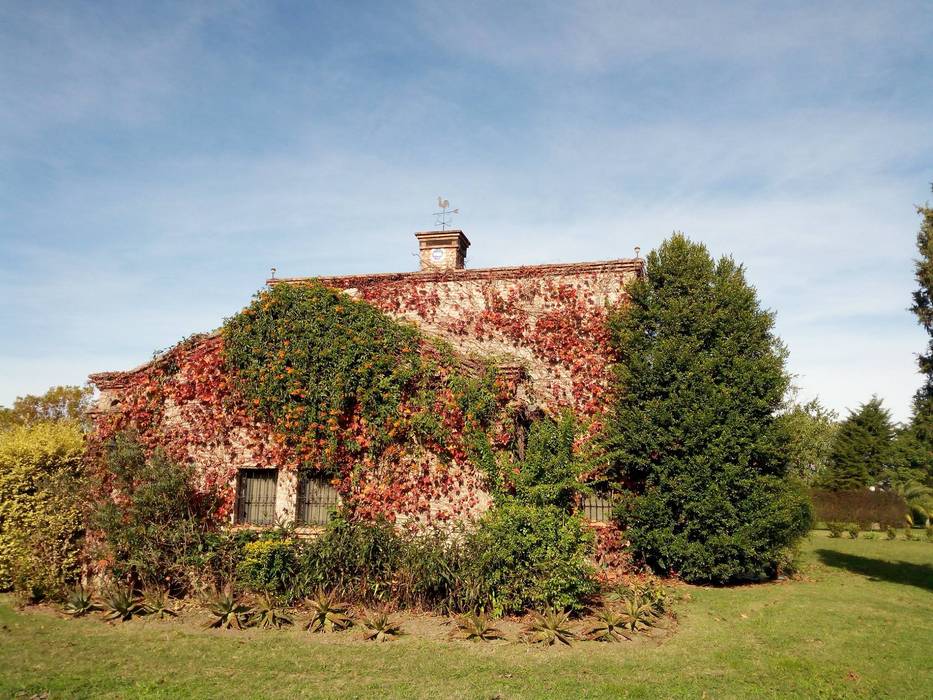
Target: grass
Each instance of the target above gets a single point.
(858, 624)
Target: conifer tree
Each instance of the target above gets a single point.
(921, 426)
(693, 433)
(862, 448)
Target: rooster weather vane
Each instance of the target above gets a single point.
(442, 217)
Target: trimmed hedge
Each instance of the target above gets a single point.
(40, 519)
(861, 506)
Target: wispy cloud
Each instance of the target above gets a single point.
(157, 162)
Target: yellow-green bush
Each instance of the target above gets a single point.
(40, 519)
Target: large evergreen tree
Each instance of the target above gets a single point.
(921, 427)
(862, 448)
(694, 433)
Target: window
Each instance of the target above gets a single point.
(597, 507)
(255, 503)
(316, 499)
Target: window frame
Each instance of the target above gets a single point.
(261, 501)
(598, 503)
(317, 510)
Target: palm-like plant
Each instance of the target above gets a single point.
(380, 627)
(156, 602)
(477, 627)
(609, 627)
(327, 614)
(228, 611)
(121, 604)
(550, 627)
(79, 602)
(269, 616)
(919, 499)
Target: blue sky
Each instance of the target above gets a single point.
(156, 159)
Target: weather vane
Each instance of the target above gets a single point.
(442, 217)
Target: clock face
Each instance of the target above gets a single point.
(437, 254)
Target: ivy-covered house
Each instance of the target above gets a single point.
(403, 395)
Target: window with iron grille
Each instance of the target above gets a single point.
(597, 507)
(255, 503)
(316, 500)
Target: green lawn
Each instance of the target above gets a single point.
(859, 624)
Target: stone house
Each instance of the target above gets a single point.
(544, 326)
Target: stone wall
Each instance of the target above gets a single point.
(186, 404)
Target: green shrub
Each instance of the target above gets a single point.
(268, 565)
(152, 517)
(549, 472)
(891, 533)
(40, 517)
(835, 529)
(928, 531)
(757, 521)
(524, 556)
(356, 560)
(853, 529)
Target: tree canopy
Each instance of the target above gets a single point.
(693, 434)
(862, 449)
(58, 403)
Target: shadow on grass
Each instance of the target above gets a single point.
(919, 575)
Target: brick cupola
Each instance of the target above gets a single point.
(442, 250)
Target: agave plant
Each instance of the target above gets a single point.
(379, 627)
(80, 602)
(550, 627)
(477, 627)
(228, 611)
(609, 627)
(327, 615)
(156, 602)
(637, 614)
(121, 604)
(269, 616)
(651, 591)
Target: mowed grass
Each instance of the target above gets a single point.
(858, 624)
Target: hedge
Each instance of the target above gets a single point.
(860, 506)
(40, 519)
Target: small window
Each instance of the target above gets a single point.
(316, 500)
(597, 507)
(256, 496)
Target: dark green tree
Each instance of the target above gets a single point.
(921, 426)
(862, 448)
(694, 434)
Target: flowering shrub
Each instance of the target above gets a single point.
(268, 565)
